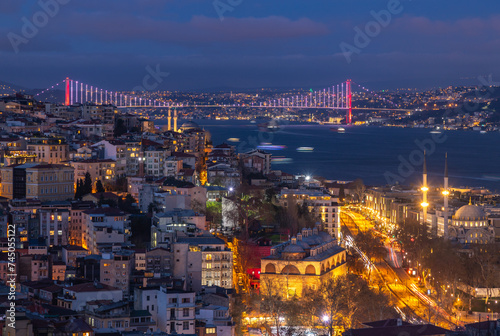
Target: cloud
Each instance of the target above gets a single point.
(200, 29)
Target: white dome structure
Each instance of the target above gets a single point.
(470, 213)
(470, 225)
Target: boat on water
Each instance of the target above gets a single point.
(271, 126)
(337, 129)
(436, 130)
(305, 149)
(281, 160)
(268, 146)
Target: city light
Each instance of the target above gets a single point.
(445, 192)
(424, 204)
(424, 189)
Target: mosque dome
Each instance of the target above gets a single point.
(303, 244)
(470, 213)
(190, 125)
(325, 236)
(293, 248)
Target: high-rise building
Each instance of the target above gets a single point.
(54, 226)
(103, 227)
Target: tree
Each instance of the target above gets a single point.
(371, 244)
(414, 238)
(346, 301)
(127, 204)
(327, 302)
(342, 193)
(198, 206)
(214, 212)
(121, 184)
(120, 128)
(99, 187)
(273, 302)
(78, 191)
(270, 195)
(87, 184)
(486, 259)
(445, 263)
(152, 207)
(359, 190)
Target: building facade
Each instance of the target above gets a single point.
(302, 262)
(52, 150)
(45, 182)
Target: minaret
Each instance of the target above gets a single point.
(175, 120)
(445, 196)
(169, 120)
(424, 189)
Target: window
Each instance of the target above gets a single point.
(185, 325)
(186, 300)
(185, 312)
(210, 331)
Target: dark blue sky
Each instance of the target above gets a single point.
(260, 43)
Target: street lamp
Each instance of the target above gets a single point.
(325, 318)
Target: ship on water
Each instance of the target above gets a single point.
(270, 126)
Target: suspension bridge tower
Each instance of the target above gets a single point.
(67, 93)
(349, 102)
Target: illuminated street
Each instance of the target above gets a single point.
(401, 285)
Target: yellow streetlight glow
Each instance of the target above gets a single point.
(424, 189)
(446, 192)
(424, 204)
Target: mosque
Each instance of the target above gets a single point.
(469, 224)
(302, 262)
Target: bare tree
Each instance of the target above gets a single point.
(273, 301)
(486, 258)
(359, 190)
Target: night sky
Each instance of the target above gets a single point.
(259, 43)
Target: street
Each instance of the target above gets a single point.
(401, 286)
